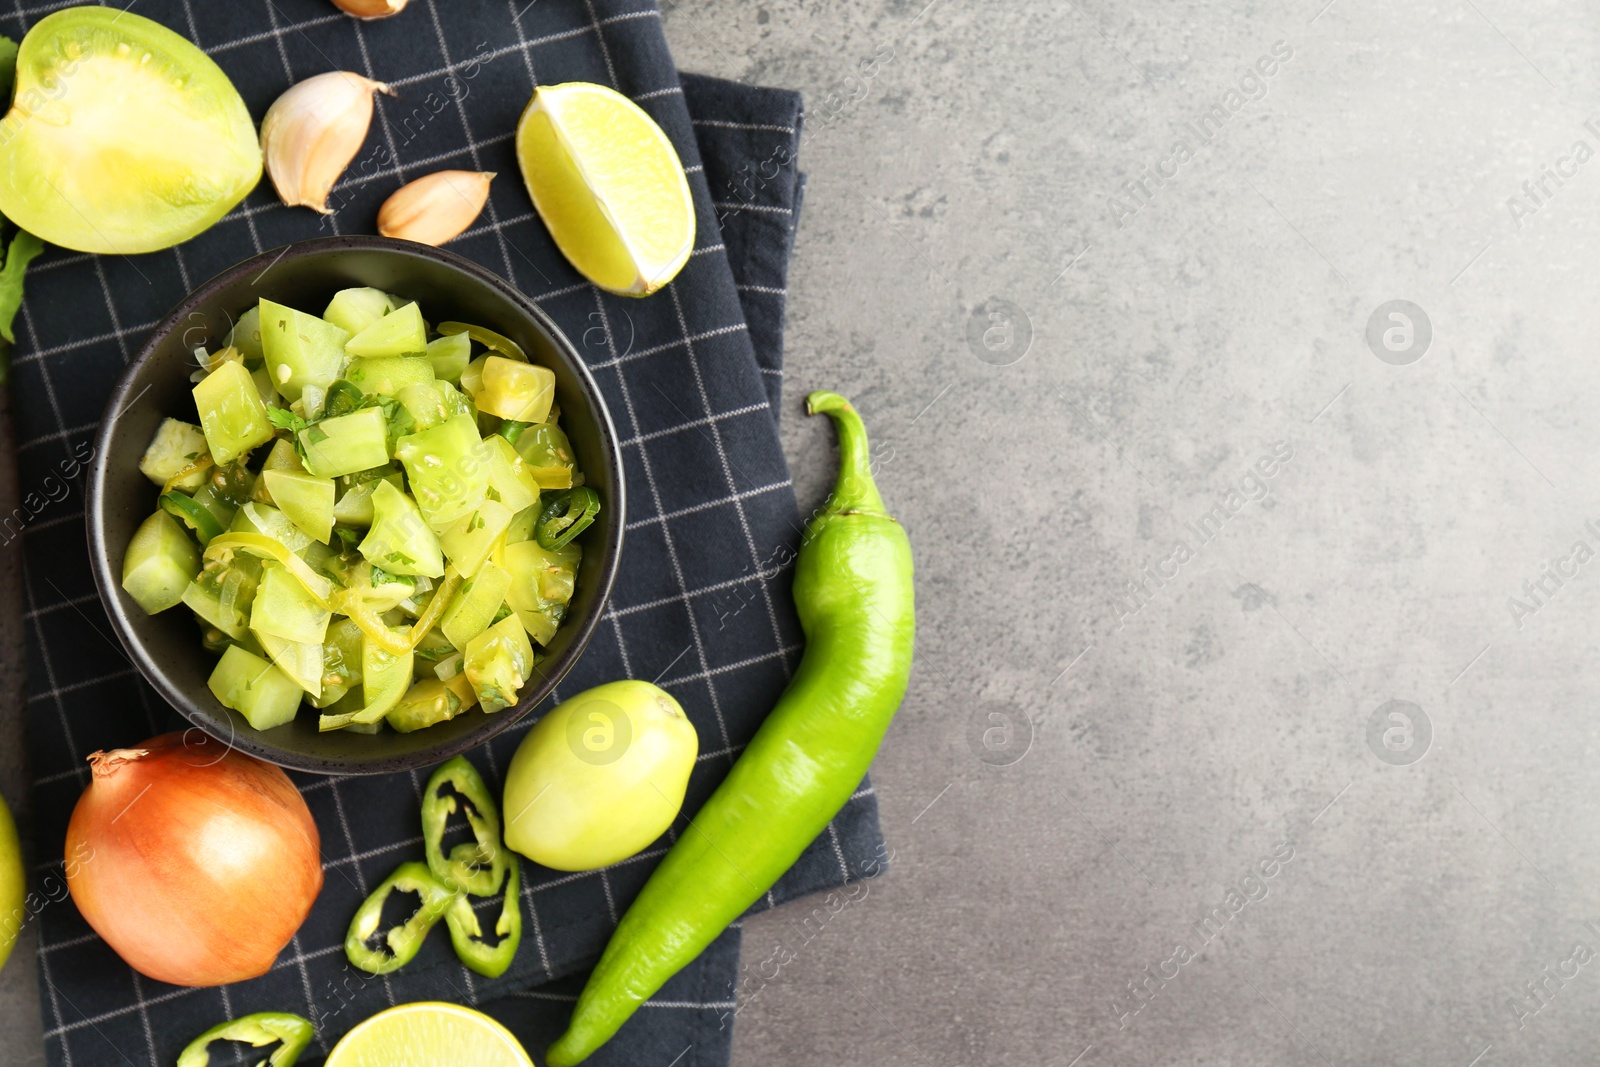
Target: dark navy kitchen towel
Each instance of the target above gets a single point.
(702, 603)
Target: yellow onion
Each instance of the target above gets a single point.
(203, 862)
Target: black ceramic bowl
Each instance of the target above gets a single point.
(156, 385)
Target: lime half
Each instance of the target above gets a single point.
(429, 1034)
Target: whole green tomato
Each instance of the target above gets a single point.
(13, 884)
(600, 777)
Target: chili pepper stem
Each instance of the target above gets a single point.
(854, 490)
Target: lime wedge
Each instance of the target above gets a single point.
(608, 185)
(429, 1034)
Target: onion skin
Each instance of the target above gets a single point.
(205, 860)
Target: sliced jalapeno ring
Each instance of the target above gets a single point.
(511, 429)
(403, 941)
(566, 516)
(262, 1028)
(477, 867)
(192, 514)
(343, 397)
(466, 935)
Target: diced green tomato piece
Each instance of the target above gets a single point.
(283, 457)
(346, 444)
(466, 544)
(510, 478)
(285, 608)
(433, 402)
(400, 541)
(487, 338)
(541, 624)
(426, 703)
(387, 375)
(548, 454)
(399, 333)
(353, 310)
(498, 663)
(246, 337)
(304, 499)
(447, 467)
(355, 506)
(263, 694)
(177, 447)
(271, 522)
(539, 573)
(472, 376)
(341, 662)
(475, 604)
(450, 355)
(459, 684)
(363, 727)
(263, 383)
(159, 564)
(193, 516)
(300, 349)
(512, 390)
(232, 415)
(300, 660)
(384, 680)
(523, 524)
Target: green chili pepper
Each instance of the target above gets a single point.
(262, 1028)
(566, 516)
(403, 941)
(475, 867)
(343, 397)
(188, 511)
(488, 960)
(511, 429)
(852, 588)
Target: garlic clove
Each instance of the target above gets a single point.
(436, 208)
(312, 132)
(370, 9)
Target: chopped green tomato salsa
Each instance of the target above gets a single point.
(301, 350)
(231, 412)
(498, 663)
(400, 542)
(353, 310)
(519, 391)
(177, 457)
(160, 563)
(353, 514)
(248, 684)
(346, 444)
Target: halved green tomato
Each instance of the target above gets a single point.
(122, 136)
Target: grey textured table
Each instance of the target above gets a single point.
(1252, 720)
